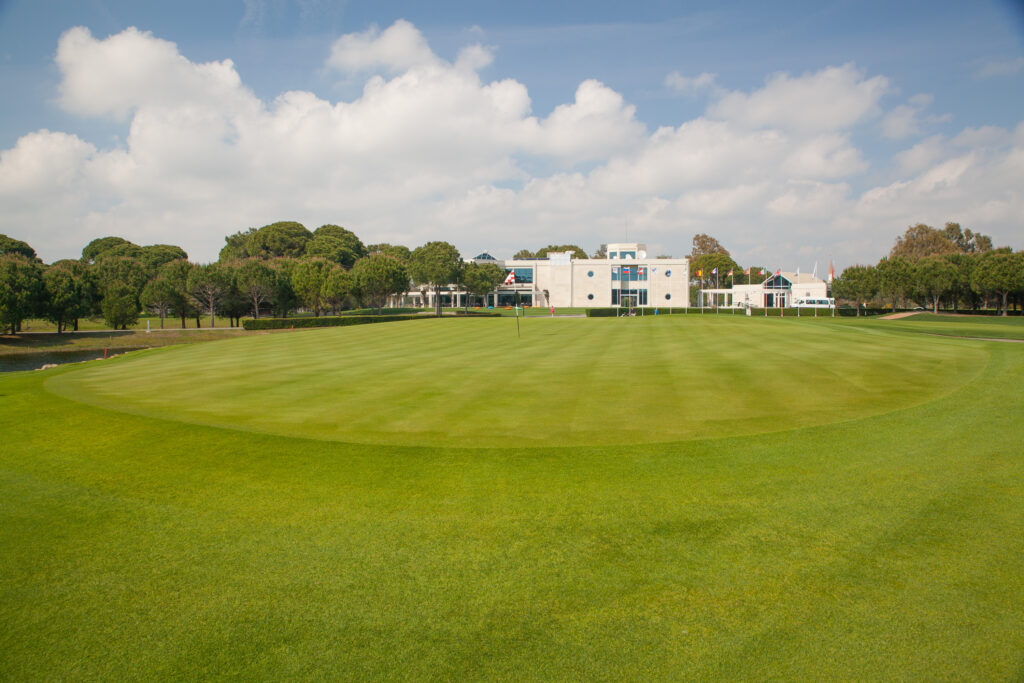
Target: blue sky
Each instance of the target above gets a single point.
(793, 132)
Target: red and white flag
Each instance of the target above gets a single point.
(511, 279)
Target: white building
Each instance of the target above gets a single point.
(626, 278)
(781, 290)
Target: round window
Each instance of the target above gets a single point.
(668, 296)
(590, 296)
(668, 273)
(590, 273)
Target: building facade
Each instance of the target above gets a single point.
(781, 290)
(626, 278)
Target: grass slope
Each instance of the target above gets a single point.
(885, 546)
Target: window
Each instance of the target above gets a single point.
(667, 297)
(590, 273)
(590, 297)
(668, 273)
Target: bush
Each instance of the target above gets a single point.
(326, 321)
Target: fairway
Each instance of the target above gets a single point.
(562, 382)
(601, 499)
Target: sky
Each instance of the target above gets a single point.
(793, 132)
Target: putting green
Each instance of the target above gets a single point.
(472, 383)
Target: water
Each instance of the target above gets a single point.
(37, 359)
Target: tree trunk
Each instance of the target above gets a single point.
(935, 309)
(212, 322)
(76, 324)
(1004, 303)
(198, 324)
(162, 316)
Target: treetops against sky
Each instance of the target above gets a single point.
(790, 132)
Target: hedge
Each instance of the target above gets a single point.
(325, 321)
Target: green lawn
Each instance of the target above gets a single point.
(598, 499)
(991, 327)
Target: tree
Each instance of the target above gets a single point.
(960, 281)
(236, 246)
(120, 305)
(332, 249)
(577, 253)
(159, 296)
(966, 241)
(933, 276)
(706, 244)
(706, 263)
(234, 303)
(21, 290)
(895, 278)
(176, 275)
(285, 299)
(857, 284)
(98, 246)
(258, 282)
(156, 255)
(523, 253)
(393, 250)
(337, 288)
(378, 276)
(9, 245)
(207, 284)
(348, 239)
(308, 279)
(436, 263)
(285, 238)
(480, 279)
(68, 295)
(999, 273)
(601, 252)
(920, 241)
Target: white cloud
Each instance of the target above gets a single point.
(831, 99)
(399, 47)
(432, 151)
(906, 119)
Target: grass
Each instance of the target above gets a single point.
(884, 538)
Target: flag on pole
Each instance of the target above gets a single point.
(699, 273)
(831, 271)
(511, 279)
(715, 271)
(730, 272)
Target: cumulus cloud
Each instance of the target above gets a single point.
(831, 99)
(398, 47)
(430, 150)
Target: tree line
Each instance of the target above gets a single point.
(950, 267)
(276, 269)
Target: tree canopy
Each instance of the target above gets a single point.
(437, 264)
(704, 244)
(92, 251)
(9, 245)
(285, 238)
(378, 276)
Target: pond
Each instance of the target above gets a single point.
(37, 359)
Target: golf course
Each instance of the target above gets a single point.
(672, 497)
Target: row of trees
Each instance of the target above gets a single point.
(931, 267)
(278, 268)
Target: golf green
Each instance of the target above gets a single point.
(568, 382)
(662, 499)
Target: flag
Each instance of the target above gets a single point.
(747, 271)
(715, 271)
(699, 273)
(654, 271)
(640, 270)
(831, 271)
(779, 271)
(511, 279)
(729, 274)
